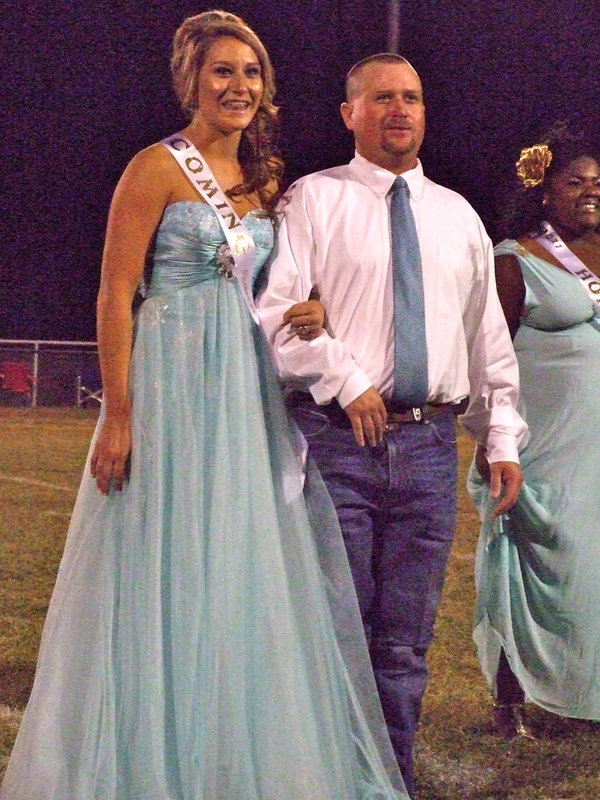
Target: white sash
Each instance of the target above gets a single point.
(551, 241)
(240, 257)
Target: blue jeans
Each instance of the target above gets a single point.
(396, 504)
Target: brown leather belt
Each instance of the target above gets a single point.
(420, 414)
(395, 416)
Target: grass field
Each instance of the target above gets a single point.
(41, 456)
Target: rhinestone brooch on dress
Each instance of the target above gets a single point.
(225, 262)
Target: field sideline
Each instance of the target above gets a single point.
(42, 452)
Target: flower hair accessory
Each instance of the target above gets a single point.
(532, 164)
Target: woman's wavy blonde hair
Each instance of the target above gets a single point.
(258, 154)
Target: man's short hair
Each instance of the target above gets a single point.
(382, 58)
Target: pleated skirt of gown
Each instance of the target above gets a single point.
(203, 640)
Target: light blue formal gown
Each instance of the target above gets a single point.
(203, 640)
(538, 587)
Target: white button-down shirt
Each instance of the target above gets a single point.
(335, 237)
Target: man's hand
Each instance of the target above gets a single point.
(505, 475)
(368, 416)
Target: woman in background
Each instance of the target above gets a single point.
(203, 640)
(537, 628)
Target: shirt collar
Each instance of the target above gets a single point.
(380, 180)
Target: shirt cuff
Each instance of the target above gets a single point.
(501, 430)
(502, 447)
(354, 385)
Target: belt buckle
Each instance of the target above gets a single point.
(417, 414)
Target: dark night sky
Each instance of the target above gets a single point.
(86, 85)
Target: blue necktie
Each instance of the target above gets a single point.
(410, 348)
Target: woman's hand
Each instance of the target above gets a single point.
(306, 320)
(110, 457)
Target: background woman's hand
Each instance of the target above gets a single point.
(306, 319)
(110, 457)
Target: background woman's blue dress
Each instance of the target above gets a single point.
(190, 650)
(537, 573)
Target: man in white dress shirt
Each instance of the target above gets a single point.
(391, 471)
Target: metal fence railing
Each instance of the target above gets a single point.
(49, 373)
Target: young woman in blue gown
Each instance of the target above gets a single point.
(536, 627)
(203, 640)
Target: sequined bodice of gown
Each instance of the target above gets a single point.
(537, 573)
